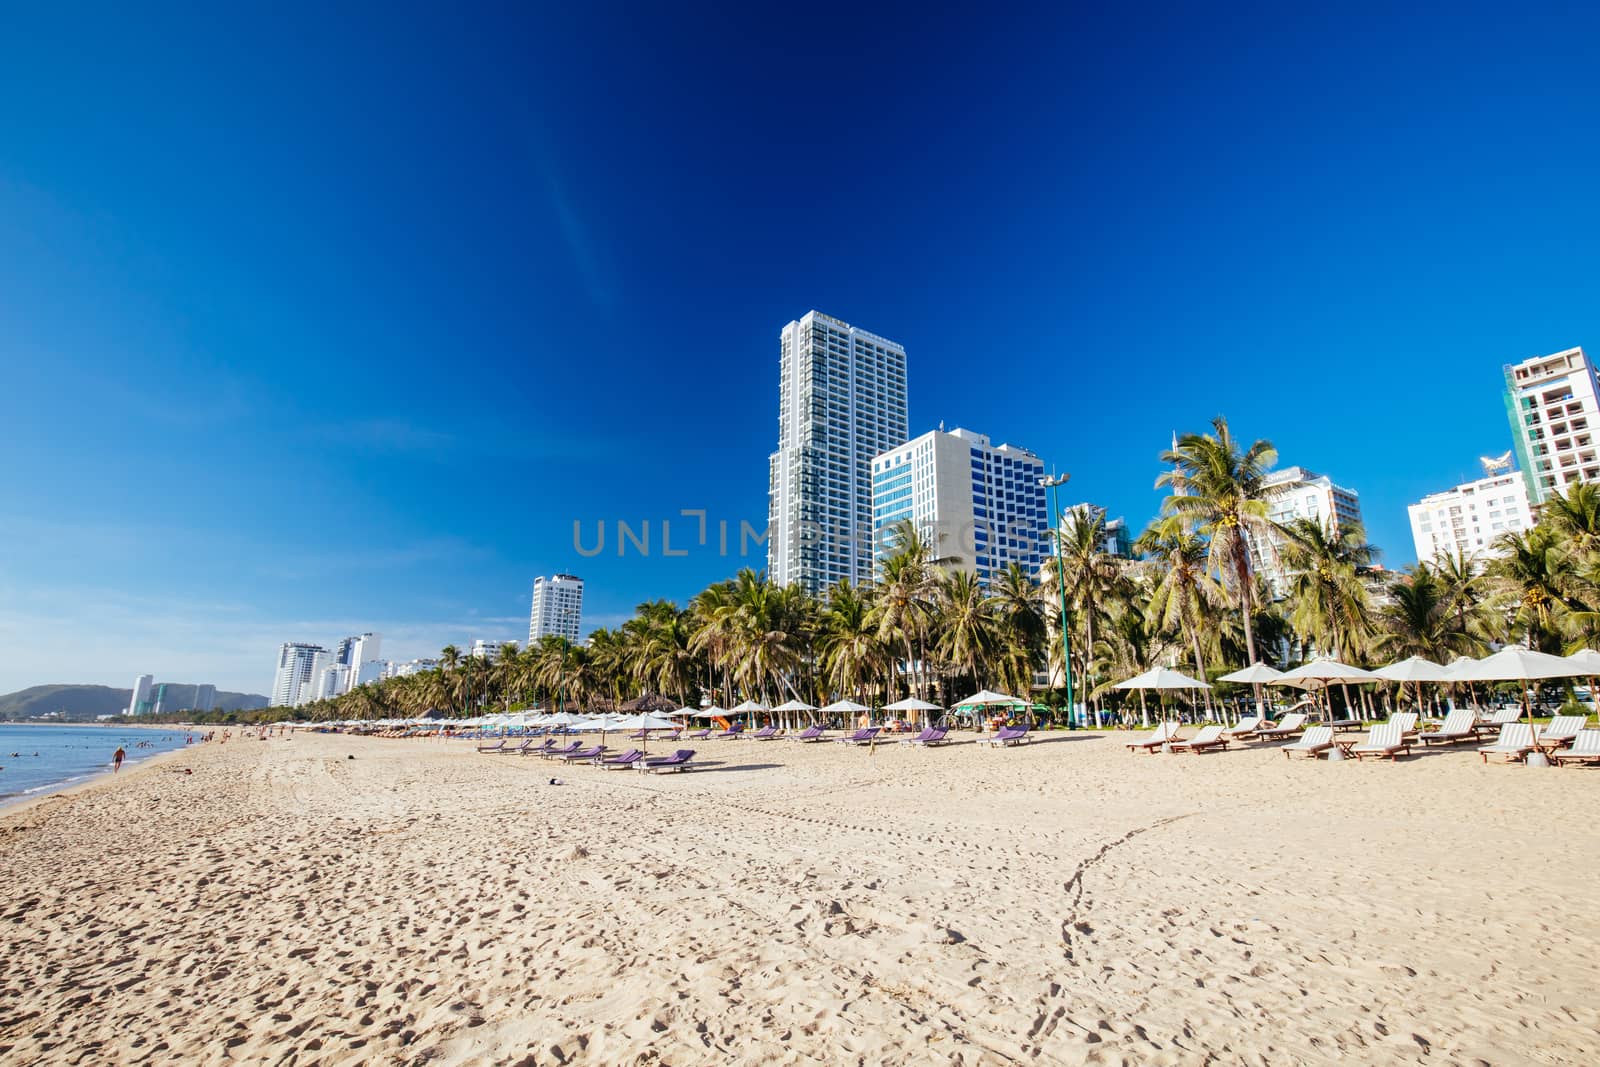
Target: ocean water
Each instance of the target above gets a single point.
(50, 757)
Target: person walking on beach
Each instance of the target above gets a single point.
(116, 759)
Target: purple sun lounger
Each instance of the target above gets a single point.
(492, 748)
(569, 750)
(700, 735)
(766, 733)
(584, 755)
(930, 736)
(809, 734)
(732, 732)
(678, 761)
(860, 737)
(620, 760)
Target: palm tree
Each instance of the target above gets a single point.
(1416, 620)
(848, 643)
(1574, 517)
(1091, 574)
(1529, 575)
(1217, 486)
(901, 601)
(1020, 617)
(1185, 596)
(1329, 601)
(968, 636)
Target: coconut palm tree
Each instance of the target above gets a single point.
(1329, 600)
(968, 635)
(902, 598)
(848, 644)
(1185, 597)
(1529, 576)
(1217, 485)
(1091, 576)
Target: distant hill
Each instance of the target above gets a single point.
(85, 702)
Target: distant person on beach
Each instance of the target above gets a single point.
(117, 758)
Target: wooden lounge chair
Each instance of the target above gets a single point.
(1243, 728)
(1459, 725)
(1208, 738)
(1516, 741)
(1383, 742)
(1561, 732)
(1150, 742)
(1314, 742)
(1502, 717)
(1287, 726)
(1585, 749)
(1407, 721)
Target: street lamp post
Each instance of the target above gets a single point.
(1053, 483)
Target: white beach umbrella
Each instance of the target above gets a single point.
(1254, 674)
(713, 712)
(1416, 670)
(846, 707)
(795, 705)
(912, 704)
(1588, 660)
(646, 722)
(1320, 673)
(1516, 663)
(1161, 679)
(747, 706)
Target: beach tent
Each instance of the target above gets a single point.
(1516, 663)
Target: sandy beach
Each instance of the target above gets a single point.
(1063, 902)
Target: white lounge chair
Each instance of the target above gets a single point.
(1314, 742)
(1243, 728)
(1561, 731)
(1407, 721)
(1290, 724)
(1209, 737)
(1516, 741)
(1459, 725)
(1585, 749)
(1167, 731)
(1383, 742)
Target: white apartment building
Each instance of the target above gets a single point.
(1468, 519)
(557, 608)
(1297, 493)
(393, 669)
(359, 656)
(205, 697)
(297, 662)
(1553, 403)
(140, 702)
(979, 506)
(841, 403)
(489, 650)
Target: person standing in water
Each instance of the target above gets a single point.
(116, 760)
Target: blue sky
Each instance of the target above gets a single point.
(320, 323)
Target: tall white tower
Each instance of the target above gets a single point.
(841, 402)
(557, 608)
(296, 662)
(141, 694)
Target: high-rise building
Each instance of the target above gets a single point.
(359, 656)
(297, 662)
(1297, 493)
(978, 506)
(557, 607)
(140, 702)
(1553, 403)
(1470, 518)
(205, 697)
(841, 403)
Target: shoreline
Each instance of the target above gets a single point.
(23, 801)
